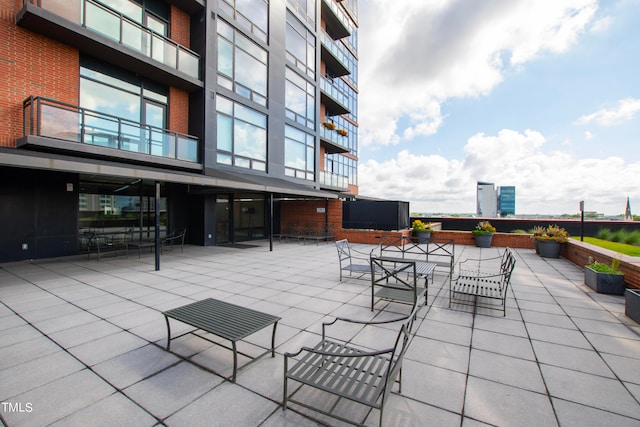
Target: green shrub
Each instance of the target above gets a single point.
(604, 234)
(632, 238)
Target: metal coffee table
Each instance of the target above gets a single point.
(225, 320)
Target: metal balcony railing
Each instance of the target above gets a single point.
(334, 180)
(53, 119)
(100, 18)
(341, 66)
(340, 97)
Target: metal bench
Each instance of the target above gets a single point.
(225, 320)
(440, 252)
(484, 278)
(352, 260)
(174, 239)
(348, 371)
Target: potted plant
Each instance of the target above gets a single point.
(550, 242)
(421, 231)
(329, 125)
(483, 233)
(536, 231)
(604, 278)
(342, 132)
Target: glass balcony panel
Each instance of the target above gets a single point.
(68, 9)
(187, 149)
(59, 123)
(102, 21)
(100, 131)
(133, 138)
(188, 63)
(162, 144)
(133, 37)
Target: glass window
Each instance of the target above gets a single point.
(242, 64)
(306, 9)
(300, 44)
(252, 15)
(242, 135)
(299, 153)
(299, 99)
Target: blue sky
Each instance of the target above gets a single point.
(540, 94)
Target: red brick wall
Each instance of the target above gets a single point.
(178, 110)
(180, 27)
(30, 64)
(304, 213)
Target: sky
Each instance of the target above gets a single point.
(543, 95)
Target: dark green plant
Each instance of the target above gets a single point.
(604, 234)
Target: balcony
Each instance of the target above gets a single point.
(333, 98)
(333, 180)
(100, 31)
(51, 125)
(332, 141)
(337, 22)
(333, 56)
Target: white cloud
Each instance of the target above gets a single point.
(588, 135)
(446, 50)
(546, 182)
(625, 111)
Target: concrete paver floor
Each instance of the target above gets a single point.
(82, 344)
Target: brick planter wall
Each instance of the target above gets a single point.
(579, 252)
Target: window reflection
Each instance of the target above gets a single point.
(242, 135)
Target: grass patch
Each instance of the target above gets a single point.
(623, 248)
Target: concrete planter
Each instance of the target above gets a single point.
(422, 236)
(483, 240)
(549, 248)
(604, 283)
(632, 304)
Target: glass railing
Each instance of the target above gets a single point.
(53, 119)
(335, 49)
(340, 14)
(97, 17)
(334, 180)
(334, 91)
(334, 137)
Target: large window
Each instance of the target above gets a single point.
(301, 46)
(242, 64)
(300, 99)
(306, 9)
(142, 104)
(253, 15)
(299, 153)
(242, 135)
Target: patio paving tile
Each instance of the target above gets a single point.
(574, 415)
(226, 405)
(503, 405)
(562, 355)
(173, 389)
(590, 390)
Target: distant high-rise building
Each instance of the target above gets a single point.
(486, 200)
(506, 200)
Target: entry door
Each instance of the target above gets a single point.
(223, 216)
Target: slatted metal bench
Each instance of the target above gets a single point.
(348, 371)
(225, 320)
(484, 278)
(438, 252)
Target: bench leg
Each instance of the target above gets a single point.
(273, 340)
(235, 361)
(166, 318)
